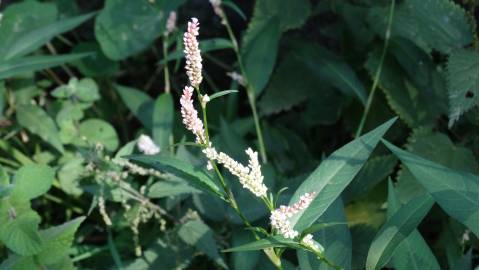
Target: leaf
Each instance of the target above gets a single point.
(206, 45)
(33, 40)
(95, 65)
(169, 188)
(97, 131)
(455, 191)
(259, 51)
(439, 24)
(243, 260)
(198, 234)
(270, 242)
(463, 83)
(331, 69)
(84, 90)
(37, 121)
(19, 19)
(124, 27)
(194, 176)
(58, 241)
(413, 252)
(298, 12)
(139, 103)
(334, 174)
(32, 181)
(222, 93)
(20, 234)
(163, 114)
(396, 229)
(23, 65)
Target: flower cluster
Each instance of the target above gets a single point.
(190, 115)
(170, 23)
(193, 53)
(310, 243)
(250, 177)
(280, 217)
(146, 145)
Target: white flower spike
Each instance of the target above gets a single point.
(192, 53)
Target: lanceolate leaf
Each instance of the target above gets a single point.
(194, 176)
(396, 229)
(33, 63)
(274, 241)
(163, 114)
(413, 253)
(139, 103)
(37, 121)
(463, 82)
(457, 192)
(334, 174)
(38, 37)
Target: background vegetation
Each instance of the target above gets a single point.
(80, 81)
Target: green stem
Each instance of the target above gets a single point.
(166, 72)
(378, 71)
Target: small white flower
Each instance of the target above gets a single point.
(146, 145)
(209, 166)
(204, 99)
(171, 23)
(235, 76)
(310, 243)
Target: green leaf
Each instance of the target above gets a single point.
(297, 12)
(38, 122)
(125, 27)
(334, 174)
(58, 241)
(33, 40)
(167, 188)
(260, 46)
(32, 181)
(206, 45)
(413, 252)
(97, 131)
(457, 192)
(222, 93)
(463, 82)
(270, 242)
(439, 24)
(396, 229)
(84, 90)
(197, 233)
(163, 114)
(139, 103)
(22, 18)
(331, 69)
(23, 65)
(96, 65)
(194, 176)
(20, 234)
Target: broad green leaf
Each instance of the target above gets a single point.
(84, 90)
(334, 174)
(457, 192)
(270, 242)
(69, 175)
(97, 131)
(197, 233)
(96, 65)
(23, 65)
(32, 181)
(439, 24)
(463, 82)
(20, 232)
(297, 12)
(260, 46)
(33, 40)
(397, 228)
(19, 19)
(206, 45)
(58, 241)
(413, 252)
(331, 69)
(125, 27)
(436, 147)
(163, 114)
(139, 103)
(194, 176)
(167, 188)
(38, 122)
